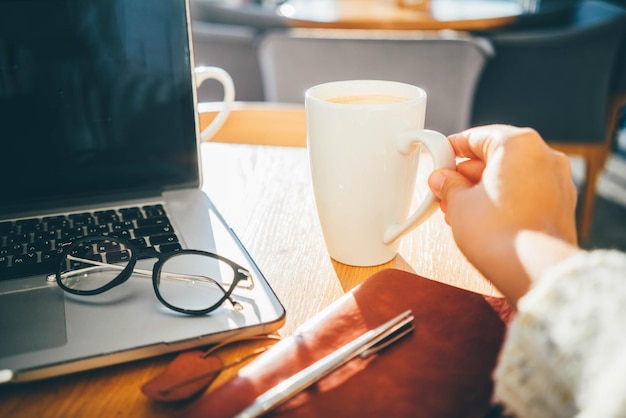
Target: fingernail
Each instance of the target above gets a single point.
(436, 181)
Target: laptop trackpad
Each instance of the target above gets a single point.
(32, 320)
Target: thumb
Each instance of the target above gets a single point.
(444, 182)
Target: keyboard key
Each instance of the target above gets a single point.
(146, 255)
(76, 264)
(107, 216)
(161, 220)
(14, 230)
(27, 228)
(122, 234)
(72, 232)
(163, 239)
(63, 242)
(139, 242)
(154, 211)
(56, 224)
(18, 239)
(119, 256)
(123, 225)
(28, 223)
(97, 229)
(128, 214)
(47, 219)
(39, 246)
(45, 235)
(52, 256)
(108, 246)
(154, 230)
(12, 249)
(129, 209)
(82, 219)
(169, 248)
(28, 258)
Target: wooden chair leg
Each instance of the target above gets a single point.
(594, 161)
(595, 157)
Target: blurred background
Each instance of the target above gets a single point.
(558, 66)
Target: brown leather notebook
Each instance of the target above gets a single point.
(442, 369)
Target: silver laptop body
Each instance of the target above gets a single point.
(97, 115)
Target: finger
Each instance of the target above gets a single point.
(443, 206)
(446, 218)
(471, 169)
(483, 141)
(444, 183)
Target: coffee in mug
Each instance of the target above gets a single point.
(367, 99)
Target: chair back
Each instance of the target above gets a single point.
(556, 80)
(446, 66)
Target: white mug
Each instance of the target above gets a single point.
(363, 138)
(216, 73)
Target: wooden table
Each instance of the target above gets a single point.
(265, 194)
(467, 15)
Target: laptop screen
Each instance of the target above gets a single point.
(95, 100)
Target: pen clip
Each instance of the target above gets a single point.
(391, 332)
(391, 338)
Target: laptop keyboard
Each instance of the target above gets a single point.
(34, 245)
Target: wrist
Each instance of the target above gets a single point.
(517, 259)
(539, 251)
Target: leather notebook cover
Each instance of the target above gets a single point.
(442, 369)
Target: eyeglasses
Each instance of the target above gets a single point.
(193, 282)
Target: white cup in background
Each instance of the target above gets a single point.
(362, 139)
(206, 73)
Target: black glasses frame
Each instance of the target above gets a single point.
(240, 273)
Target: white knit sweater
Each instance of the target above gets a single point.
(565, 352)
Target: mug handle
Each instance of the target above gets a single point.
(216, 73)
(443, 157)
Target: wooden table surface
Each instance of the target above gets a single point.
(467, 15)
(463, 15)
(264, 192)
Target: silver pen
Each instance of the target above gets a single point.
(364, 345)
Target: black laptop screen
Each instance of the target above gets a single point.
(95, 99)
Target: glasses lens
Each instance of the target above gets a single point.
(194, 282)
(92, 264)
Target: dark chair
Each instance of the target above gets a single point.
(559, 81)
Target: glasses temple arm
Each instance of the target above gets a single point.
(121, 267)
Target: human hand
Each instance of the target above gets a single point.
(511, 204)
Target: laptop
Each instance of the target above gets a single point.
(99, 135)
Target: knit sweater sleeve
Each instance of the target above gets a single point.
(565, 352)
